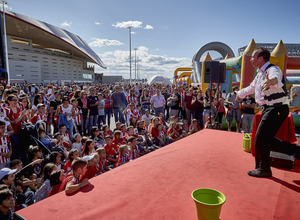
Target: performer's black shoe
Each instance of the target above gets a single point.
(259, 173)
(297, 152)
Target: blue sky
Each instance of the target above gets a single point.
(168, 33)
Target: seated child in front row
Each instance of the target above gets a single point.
(123, 155)
(56, 179)
(72, 182)
(91, 166)
(133, 148)
(45, 188)
(111, 151)
(103, 165)
(73, 154)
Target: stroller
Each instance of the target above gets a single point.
(29, 135)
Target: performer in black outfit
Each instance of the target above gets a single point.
(270, 92)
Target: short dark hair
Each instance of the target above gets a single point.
(131, 139)
(263, 52)
(14, 162)
(54, 177)
(4, 194)
(78, 163)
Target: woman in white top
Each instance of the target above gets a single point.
(37, 100)
(67, 109)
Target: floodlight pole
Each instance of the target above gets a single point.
(135, 64)
(129, 28)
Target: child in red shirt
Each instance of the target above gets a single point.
(72, 182)
(117, 138)
(194, 127)
(56, 179)
(111, 151)
(91, 167)
(106, 130)
(73, 154)
(173, 132)
(40, 116)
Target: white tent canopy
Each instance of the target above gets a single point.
(159, 79)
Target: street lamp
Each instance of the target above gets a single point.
(135, 64)
(129, 28)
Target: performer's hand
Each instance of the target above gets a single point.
(267, 83)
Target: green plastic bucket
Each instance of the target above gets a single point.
(247, 142)
(208, 203)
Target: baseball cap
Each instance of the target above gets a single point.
(6, 171)
(40, 104)
(88, 157)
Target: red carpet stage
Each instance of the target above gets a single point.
(159, 185)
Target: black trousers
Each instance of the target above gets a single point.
(271, 120)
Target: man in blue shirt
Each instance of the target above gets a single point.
(118, 103)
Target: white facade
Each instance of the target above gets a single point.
(36, 65)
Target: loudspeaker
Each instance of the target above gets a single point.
(222, 69)
(214, 72)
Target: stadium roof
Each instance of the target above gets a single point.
(49, 36)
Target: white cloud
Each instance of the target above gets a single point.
(125, 24)
(148, 64)
(97, 23)
(66, 24)
(148, 27)
(97, 42)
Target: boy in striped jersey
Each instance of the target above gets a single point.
(123, 155)
(5, 146)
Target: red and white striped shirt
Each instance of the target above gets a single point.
(130, 114)
(4, 148)
(122, 159)
(103, 164)
(38, 117)
(134, 153)
(77, 117)
(133, 99)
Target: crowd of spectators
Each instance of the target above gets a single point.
(91, 129)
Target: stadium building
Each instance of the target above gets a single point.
(42, 53)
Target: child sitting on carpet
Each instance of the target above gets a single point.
(77, 143)
(111, 151)
(72, 182)
(56, 179)
(133, 148)
(73, 154)
(194, 127)
(91, 170)
(89, 147)
(123, 155)
(45, 188)
(173, 132)
(102, 160)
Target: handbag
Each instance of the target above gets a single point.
(171, 103)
